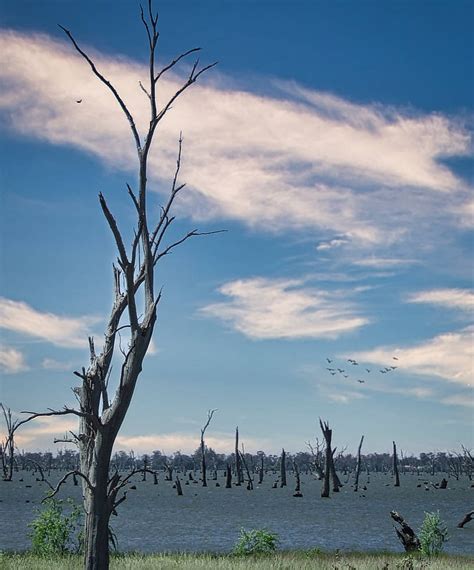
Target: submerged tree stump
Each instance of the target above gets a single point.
(467, 518)
(405, 533)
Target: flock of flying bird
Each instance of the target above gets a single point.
(352, 362)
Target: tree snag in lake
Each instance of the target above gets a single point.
(210, 413)
(395, 466)
(100, 416)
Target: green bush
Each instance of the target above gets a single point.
(256, 541)
(433, 534)
(55, 531)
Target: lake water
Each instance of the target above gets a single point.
(154, 518)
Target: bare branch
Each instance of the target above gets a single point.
(116, 232)
(175, 61)
(107, 83)
(193, 233)
(55, 490)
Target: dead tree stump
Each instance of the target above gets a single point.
(405, 533)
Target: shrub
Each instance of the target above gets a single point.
(432, 535)
(255, 541)
(54, 531)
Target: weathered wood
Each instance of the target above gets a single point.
(395, 466)
(327, 433)
(405, 533)
(283, 469)
(357, 473)
(467, 518)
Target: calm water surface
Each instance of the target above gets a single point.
(154, 518)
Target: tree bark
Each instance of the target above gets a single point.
(405, 533)
(283, 469)
(327, 433)
(358, 466)
(238, 464)
(395, 466)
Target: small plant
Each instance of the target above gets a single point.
(255, 541)
(54, 530)
(433, 534)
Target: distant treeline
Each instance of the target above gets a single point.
(453, 463)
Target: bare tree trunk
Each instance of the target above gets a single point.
(336, 482)
(238, 464)
(179, 488)
(357, 473)
(100, 417)
(210, 413)
(327, 433)
(260, 473)
(395, 466)
(297, 492)
(283, 469)
(467, 518)
(405, 533)
(228, 479)
(249, 477)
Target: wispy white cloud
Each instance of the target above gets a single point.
(384, 262)
(265, 309)
(62, 331)
(300, 159)
(332, 243)
(465, 400)
(12, 361)
(185, 442)
(52, 364)
(449, 356)
(462, 299)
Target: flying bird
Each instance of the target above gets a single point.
(361, 381)
(78, 100)
(394, 358)
(329, 360)
(367, 370)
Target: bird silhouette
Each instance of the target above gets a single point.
(394, 358)
(367, 370)
(361, 381)
(78, 100)
(329, 360)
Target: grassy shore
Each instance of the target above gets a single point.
(304, 560)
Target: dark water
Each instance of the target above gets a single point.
(154, 518)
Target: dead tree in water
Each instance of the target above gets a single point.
(467, 518)
(210, 413)
(358, 466)
(238, 464)
(228, 477)
(247, 470)
(336, 482)
(405, 533)
(283, 469)
(135, 301)
(260, 471)
(297, 492)
(395, 466)
(316, 463)
(327, 433)
(7, 448)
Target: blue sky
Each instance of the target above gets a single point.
(333, 141)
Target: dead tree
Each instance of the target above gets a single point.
(357, 473)
(179, 488)
(405, 533)
(134, 309)
(238, 464)
(283, 469)
(228, 477)
(297, 492)
(210, 413)
(467, 518)
(247, 470)
(316, 463)
(260, 471)
(7, 447)
(327, 433)
(336, 482)
(395, 466)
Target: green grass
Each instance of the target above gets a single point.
(305, 560)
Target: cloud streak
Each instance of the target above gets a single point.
(66, 332)
(449, 356)
(263, 308)
(298, 159)
(461, 299)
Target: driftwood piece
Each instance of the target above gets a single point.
(467, 518)
(405, 533)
